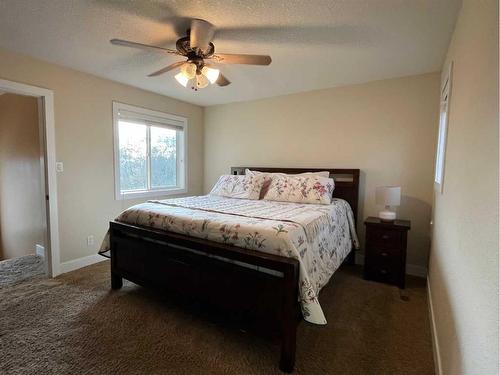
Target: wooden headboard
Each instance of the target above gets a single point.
(346, 181)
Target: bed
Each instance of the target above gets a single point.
(261, 263)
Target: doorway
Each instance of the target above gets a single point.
(30, 222)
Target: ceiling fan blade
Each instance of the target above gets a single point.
(222, 80)
(228, 58)
(201, 34)
(126, 43)
(166, 69)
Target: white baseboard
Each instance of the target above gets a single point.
(435, 341)
(75, 264)
(40, 250)
(411, 269)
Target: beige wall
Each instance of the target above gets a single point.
(22, 223)
(84, 142)
(463, 273)
(385, 128)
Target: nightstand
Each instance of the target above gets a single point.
(385, 250)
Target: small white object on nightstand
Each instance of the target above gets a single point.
(388, 196)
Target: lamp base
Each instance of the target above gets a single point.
(387, 215)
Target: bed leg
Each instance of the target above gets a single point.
(116, 278)
(288, 346)
(116, 281)
(351, 258)
(290, 314)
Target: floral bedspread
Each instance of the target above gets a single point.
(319, 236)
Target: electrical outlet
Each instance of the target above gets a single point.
(40, 250)
(90, 240)
(59, 166)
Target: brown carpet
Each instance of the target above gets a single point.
(75, 325)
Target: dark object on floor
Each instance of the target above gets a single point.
(403, 295)
(385, 250)
(75, 325)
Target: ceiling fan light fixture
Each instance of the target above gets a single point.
(211, 73)
(188, 69)
(196, 48)
(201, 81)
(182, 79)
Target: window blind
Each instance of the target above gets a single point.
(169, 123)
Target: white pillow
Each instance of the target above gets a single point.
(301, 189)
(238, 186)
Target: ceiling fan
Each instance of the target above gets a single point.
(198, 70)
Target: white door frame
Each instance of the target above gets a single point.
(46, 99)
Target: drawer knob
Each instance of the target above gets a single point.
(383, 272)
(385, 237)
(384, 254)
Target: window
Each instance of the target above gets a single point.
(150, 152)
(443, 129)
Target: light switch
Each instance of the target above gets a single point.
(59, 166)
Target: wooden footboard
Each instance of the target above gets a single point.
(179, 264)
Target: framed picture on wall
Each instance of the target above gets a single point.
(444, 109)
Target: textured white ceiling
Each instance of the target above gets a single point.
(314, 44)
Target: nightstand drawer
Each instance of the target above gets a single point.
(383, 238)
(385, 275)
(383, 250)
(384, 260)
(386, 269)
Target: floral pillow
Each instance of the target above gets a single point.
(238, 186)
(301, 189)
(269, 176)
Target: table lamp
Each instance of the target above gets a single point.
(388, 196)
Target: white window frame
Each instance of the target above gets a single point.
(151, 118)
(444, 116)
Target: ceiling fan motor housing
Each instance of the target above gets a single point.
(184, 47)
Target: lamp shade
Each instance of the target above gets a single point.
(201, 81)
(188, 69)
(388, 195)
(211, 73)
(182, 79)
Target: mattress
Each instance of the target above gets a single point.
(318, 236)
